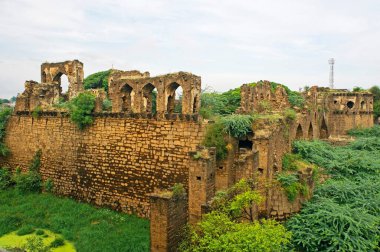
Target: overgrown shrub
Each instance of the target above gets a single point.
(35, 244)
(289, 162)
(290, 114)
(237, 125)
(344, 214)
(107, 105)
(25, 230)
(81, 108)
(36, 112)
(214, 138)
(5, 178)
(58, 242)
(5, 113)
(49, 185)
(291, 185)
(28, 182)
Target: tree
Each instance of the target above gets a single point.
(232, 226)
(81, 108)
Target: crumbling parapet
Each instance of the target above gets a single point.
(254, 97)
(201, 181)
(52, 73)
(132, 91)
(168, 217)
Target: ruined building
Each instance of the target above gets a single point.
(129, 155)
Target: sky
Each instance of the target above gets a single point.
(227, 43)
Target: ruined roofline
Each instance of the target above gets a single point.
(60, 63)
(136, 74)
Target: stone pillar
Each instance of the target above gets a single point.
(168, 217)
(201, 181)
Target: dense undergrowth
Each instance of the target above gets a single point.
(344, 214)
(89, 228)
(5, 113)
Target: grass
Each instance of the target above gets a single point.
(13, 240)
(88, 228)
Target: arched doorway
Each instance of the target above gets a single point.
(324, 133)
(63, 82)
(310, 132)
(149, 98)
(174, 98)
(127, 98)
(299, 133)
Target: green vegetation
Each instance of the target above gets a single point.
(97, 80)
(219, 103)
(214, 138)
(5, 113)
(36, 112)
(375, 90)
(292, 186)
(224, 230)
(81, 108)
(25, 230)
(89, 228)
(344, 214)
(30, 181)
(237, 125)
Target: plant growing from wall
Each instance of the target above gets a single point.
(214, 138)
(237, 125)
(5, 114)
(224, 229)
(36, 112)
(81, 108)
(30, 181)
(291, 184)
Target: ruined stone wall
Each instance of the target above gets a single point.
(116, 162)
(169, 216)
(132, 91)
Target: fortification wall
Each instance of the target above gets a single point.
(116, 162)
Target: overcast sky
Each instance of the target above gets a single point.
(227, 43)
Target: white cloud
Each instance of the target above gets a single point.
(226, 42)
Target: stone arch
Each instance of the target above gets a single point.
(149, 98)
(299, 132)
(362, 105)
(310, 132)
(324, 133)
(173, 105)
(127, 98)
(63, 82)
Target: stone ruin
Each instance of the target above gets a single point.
(128, 157)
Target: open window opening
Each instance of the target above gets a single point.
(127, 98)
(174, 98)
(150, 98)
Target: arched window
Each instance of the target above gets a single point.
(195, 103)
(174, 98)
(310, 132)
(149, 97)
(324, 134)
(299, 133)
(127, 98)
(362, 105)
(63, 82)
(350, 104)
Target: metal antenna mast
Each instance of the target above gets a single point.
(331, 79)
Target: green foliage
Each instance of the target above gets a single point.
(375, 90)
(58, 242)
(214, 138)
(88, 227)
(28, 182)
(178, 190)
(49, 185)
(5, 178)
(35, 244)
(344, 214)
(358, 89)
(237, 201)
(107, 104)
(81, 108)
(97, 80)
(27, 229)
(36, 162)
(36, 112)
(290, 114)
(40, 232)
(237, 125)
(367, 132)
(290, 162)
(5, 113)
(216, 232)
(291, 185)
(219, 103)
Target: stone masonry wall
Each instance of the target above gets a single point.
(116, 162)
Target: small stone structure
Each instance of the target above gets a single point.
(131, 153)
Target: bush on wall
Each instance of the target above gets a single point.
(81, 108)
